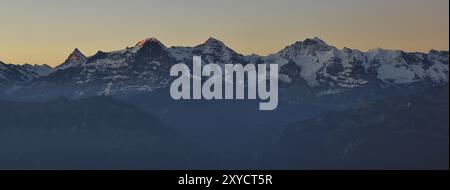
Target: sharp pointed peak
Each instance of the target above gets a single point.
(75, 58)
(76, 52)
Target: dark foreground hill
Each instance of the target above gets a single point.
(93, 133)
(409, 132)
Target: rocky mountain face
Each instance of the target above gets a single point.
(74, 59)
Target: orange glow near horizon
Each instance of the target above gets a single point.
(47, 31)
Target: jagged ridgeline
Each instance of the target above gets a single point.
(312, 65)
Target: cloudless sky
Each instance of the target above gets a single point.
(46, 31)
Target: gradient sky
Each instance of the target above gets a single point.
(46, 31)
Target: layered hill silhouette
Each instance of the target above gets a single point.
(406, 132)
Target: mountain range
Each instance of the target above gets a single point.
(338, 108)
(311, 64)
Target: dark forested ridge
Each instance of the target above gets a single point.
(407, 132)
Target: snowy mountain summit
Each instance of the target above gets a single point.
(147, 41)
(75, 58)
(320, 65)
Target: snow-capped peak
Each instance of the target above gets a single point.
(312, 42)
(311, 62)
(215, 51)
(75, 58)
(76, 55)
(148, 41)
(213, 42)
(318, 41)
